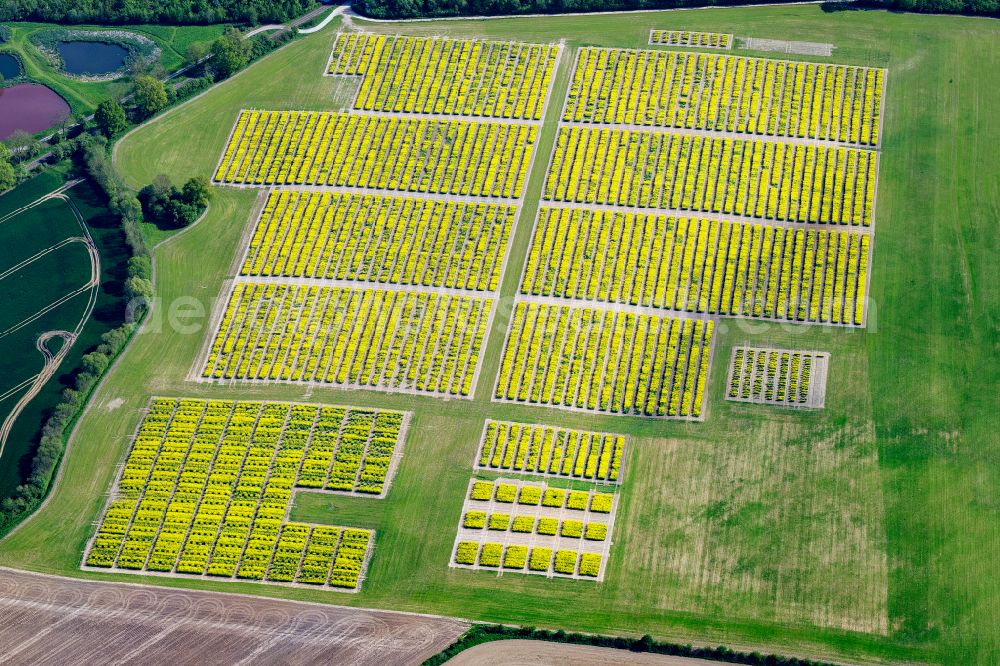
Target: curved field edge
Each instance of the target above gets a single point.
(108, 309)
(932, 425)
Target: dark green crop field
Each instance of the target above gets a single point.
(868, 531)
(45, 262)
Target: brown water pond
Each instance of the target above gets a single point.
(30, 107)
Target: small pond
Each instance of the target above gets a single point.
(30, 107)
(93, 58)
(9, 67)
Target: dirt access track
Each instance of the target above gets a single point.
(55, 620)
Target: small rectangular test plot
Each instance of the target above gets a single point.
(785, 377)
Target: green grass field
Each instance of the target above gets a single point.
(867, 531)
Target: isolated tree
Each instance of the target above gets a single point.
(162, 186)
(110, 117)
(230, 54)
(149, 95)
(63, 121)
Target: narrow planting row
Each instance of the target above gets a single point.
(542, 560)
(525, 524)
(726, 93)
(702, 40)
(543, 495)
(778, 376)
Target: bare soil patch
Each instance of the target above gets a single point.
(50, 619)
(517, 653)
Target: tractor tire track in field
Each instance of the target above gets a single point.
(54, 193)
(51, 619)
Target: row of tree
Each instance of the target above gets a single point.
(265, 11)
(485, 633)
(153, 11)
(400, 9)
(160, 203)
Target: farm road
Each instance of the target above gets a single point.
(55, 620)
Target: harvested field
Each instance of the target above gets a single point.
(124, 624)
(540, 652)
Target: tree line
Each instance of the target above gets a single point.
(265, 11)
(486, 633)
(153, 11)
(399, 9)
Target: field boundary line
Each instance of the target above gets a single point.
(444, 117)
(709, 215)
(245, 595)
(718, 134)
(360, 284)
(346, 189)
(628, 308)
